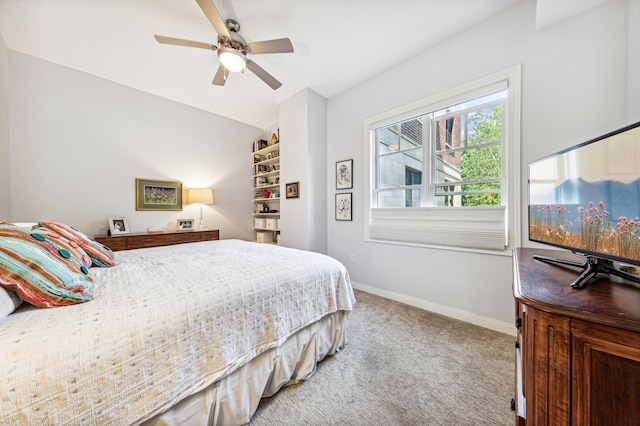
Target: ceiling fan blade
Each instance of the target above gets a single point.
(280, 45)
(220, 79)
(263, 75)
(182, 42)
(214, 17)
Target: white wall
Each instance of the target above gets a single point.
(302, 159)
(317, 173)
(633, 61)
(293, 152)
(5, 170)
(573, 77)
(79, 142)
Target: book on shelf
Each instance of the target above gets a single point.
(260, 144)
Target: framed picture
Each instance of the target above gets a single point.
(185, 225)
(293, 190)
(343, 206)
(344, 174)
(158, 195)
(118, 225)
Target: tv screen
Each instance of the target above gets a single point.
(587, 198)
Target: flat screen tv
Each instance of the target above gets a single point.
(586, 199)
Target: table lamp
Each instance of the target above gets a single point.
(200, 196)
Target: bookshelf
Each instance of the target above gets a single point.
(266, 190)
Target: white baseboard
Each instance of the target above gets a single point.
(490, 323)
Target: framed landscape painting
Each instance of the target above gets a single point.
(158, 195)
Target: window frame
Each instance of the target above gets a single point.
(494, 230)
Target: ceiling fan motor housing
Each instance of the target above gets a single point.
(233, 25)
(236, 42)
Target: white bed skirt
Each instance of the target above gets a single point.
(234, 399)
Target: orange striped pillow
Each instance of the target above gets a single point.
(58, 243)
(41, 270)
(100, 254)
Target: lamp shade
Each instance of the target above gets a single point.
(200, 196)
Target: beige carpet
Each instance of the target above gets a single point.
(403, 366)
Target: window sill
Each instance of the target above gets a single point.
(506, 252)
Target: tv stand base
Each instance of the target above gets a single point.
(592, 266)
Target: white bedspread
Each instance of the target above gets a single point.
(165, 322)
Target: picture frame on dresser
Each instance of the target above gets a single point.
(185, 225)
(118, 225)
(158, 194)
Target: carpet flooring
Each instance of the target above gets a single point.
(403, 366)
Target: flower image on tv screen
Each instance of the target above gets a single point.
(587, 198)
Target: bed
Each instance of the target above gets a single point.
(194, 333)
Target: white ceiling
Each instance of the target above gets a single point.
(338, 43)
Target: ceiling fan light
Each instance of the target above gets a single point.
(231, 59)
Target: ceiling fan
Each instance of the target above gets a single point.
(232, 48)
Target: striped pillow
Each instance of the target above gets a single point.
(41, 270)
(66, 248)
(100, 254)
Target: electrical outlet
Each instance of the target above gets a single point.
(352, 258)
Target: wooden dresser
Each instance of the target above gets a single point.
(142, 240)
(577, 350)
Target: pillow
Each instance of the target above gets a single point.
(9, 301)
(57, 242)
(41, 272)
(100, 254)
(25, 225)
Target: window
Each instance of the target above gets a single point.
(444, 171)
(462, 145)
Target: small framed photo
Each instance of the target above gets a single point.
(293, 190)
(158, 195)
(118, 225)
(343, 206)
(185, 225)
(344, 174)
